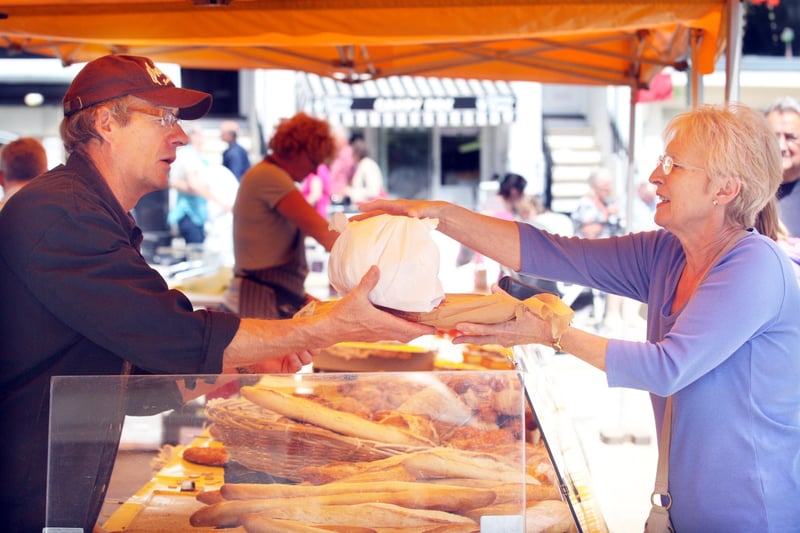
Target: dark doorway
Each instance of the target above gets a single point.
(408, 158)
(461, 158)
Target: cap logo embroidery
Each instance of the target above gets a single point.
(158, 77)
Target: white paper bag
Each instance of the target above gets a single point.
(404, 251)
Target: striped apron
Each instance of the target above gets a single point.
(275, 292)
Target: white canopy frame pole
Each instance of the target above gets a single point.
(630, 181)
(733, 50)
(694, 74)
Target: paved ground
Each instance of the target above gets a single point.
(622, 473)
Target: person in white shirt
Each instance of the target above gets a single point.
(367, 182)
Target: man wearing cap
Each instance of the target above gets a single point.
(79, 299)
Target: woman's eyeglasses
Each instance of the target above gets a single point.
(667, 164)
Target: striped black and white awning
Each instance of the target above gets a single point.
(407, 102)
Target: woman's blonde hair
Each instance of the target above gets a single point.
(739, 145)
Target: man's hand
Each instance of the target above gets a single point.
(288, 364)
(359, 320)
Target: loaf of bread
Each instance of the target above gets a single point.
(417, 495)
(361, 510)
(256, 523)
(341, 422)
(493, 309)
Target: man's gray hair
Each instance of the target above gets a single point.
(784, 104)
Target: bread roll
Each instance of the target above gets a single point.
(206, 455)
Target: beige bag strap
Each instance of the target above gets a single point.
(662, 473)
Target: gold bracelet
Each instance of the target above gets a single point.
(556, 343)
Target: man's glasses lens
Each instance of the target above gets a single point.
(164, 117)
(168, 119)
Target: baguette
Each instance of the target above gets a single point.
(383, 509)
(254, 523)
(450, 500)
(262, 524)
(258, 491)
(375, 515)
(449, 528)
(512, 492)
(454, 463)
(209, 496)
(341, 469)
(227, 513)
(456, 528)
(506, 492)
(497, 509)
(341, 422)
(398, 473)
(427, 464)
(407, 494)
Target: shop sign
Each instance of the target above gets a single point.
(408, 104)
(497, 108)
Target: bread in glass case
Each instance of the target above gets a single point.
(415, 452)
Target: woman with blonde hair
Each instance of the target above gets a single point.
(722, 319)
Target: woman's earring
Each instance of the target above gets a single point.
(715, 202)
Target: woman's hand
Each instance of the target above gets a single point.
(525, 328)
(411, 208)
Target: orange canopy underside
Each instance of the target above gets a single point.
(563, 41)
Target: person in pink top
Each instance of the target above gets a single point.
(316, 188)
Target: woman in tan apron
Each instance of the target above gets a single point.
(271, 220)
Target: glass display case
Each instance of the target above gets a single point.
(386, 451)
(559, 438)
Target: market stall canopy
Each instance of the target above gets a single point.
(550, 41)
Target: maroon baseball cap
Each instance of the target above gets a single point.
(113, 76)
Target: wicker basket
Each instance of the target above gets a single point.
(263, 441)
